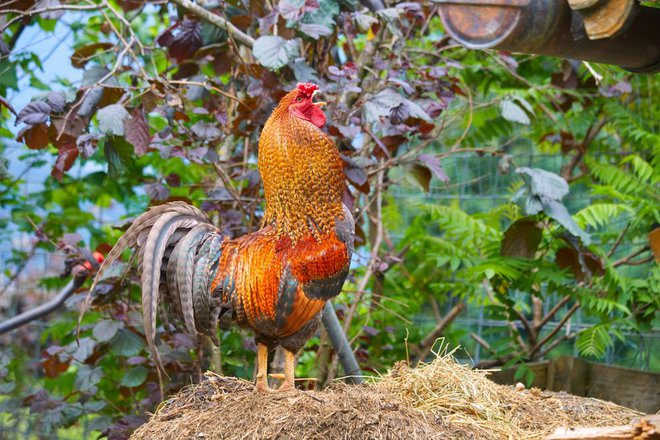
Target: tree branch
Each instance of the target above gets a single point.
(31, 12)
(427, 343)
(555, 330)
(217, 21)
(627, 260)
(553, 312)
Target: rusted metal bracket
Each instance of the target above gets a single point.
(604, 18)
(617, 32)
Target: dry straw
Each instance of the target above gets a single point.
(441, 399)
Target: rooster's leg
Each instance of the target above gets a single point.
(262, 368)
(289, 371)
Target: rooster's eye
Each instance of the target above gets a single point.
(299, 99)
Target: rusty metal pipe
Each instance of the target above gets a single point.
(550, 27)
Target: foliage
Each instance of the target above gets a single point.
(170, 107)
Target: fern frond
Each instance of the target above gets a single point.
(620, 179)
(457, 223)
(594, 341)
(600, 214)
(642, 169)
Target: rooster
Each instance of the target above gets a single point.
(274, 281)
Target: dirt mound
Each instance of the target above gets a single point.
(438, 400)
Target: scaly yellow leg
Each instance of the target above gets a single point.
(262, 368)
(289, 371)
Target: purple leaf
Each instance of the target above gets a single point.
(433, 163)
(312, 5)
(173, 180)
(335, 72)
(182, 39)
(617, 89)
(206, 131)
(434, 109)
(350, 68)
(111, 119)
(291, 9)
(315, 30)
(407, 88)
(197, 154)
(267, 22)
(137, 131)
(71, 239)
(437, 72)
(56, 101)
(34, 113)
(349, 131)
(399, 113)
(49, 14)
(157, 191)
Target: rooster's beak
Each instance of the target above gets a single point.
(320, 103)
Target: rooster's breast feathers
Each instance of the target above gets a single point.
(276, 287)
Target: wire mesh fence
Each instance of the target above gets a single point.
(475, 185)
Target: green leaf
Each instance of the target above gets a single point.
(87, 377)
(134, 377)
(558, 212)
(106, 329)
(8, 76)
(511, 111)
(544, 183)
(275, 52)
(600, 214)
(118, 153)
(594, 341)
(324, 15)
(127, 343)
(111, 119)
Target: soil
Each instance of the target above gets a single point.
(442, 399)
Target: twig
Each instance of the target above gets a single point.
(554, 331)
(627, 260)
(426, 344)
(226, 180)
(552, 312)
(206, 84)
(479, 340)
(374, 252)
(217, 21)
(31, 12)
(618, 241)
(555, 343)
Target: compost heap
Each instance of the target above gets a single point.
(442, 399)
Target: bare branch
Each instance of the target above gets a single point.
(217, 21)
(554, 331)
(30, 12)
(426, 343)
(552, 312)
(628, 260)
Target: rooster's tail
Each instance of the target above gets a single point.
(178, 249)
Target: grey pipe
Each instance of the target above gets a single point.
(341, 345)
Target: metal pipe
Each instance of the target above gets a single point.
(341, 345)
(550, 27)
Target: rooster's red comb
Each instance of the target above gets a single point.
(307, 88)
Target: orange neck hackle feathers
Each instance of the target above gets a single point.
(301, 169)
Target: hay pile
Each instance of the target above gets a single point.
(438, 400)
